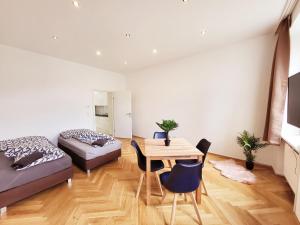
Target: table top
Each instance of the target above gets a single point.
(179, 147)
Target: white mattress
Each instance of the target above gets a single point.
(87, 151)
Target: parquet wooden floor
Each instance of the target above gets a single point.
(107, 197)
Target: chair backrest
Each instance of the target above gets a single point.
(159, 135)
(140, 156)
(184, 178)
(203, 146)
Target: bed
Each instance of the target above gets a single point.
(16, 185)
(88, 157)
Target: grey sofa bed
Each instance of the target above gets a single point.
(88, 157)
(17, 185)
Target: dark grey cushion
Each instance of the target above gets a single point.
(100, 142)
(27, 160)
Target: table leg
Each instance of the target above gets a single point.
(148, 179)
(199, 189)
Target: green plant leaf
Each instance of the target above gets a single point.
(167, 125)
(249, 143)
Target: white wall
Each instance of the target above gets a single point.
(295, 47)
(214, 95)
(296, 12)
(41, 95)
(100, 98)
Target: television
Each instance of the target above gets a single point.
(293, 111)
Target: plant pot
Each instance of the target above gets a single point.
(249, 165)
(167, 142)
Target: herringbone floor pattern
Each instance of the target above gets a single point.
(108, 197)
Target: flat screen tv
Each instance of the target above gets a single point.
(293, 113)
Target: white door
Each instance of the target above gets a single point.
(122, 114)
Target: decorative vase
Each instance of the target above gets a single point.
(167, 140)
(249, 165)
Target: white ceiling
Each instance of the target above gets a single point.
(173, 27)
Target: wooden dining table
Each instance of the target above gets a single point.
(179, 148)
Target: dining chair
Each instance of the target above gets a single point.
(155, 166)
(203, 146)
(161, 135)
(182, 179)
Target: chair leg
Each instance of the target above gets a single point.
(164, 196)
(174, 209)
(170, 163)
(204, 187)
(195, 207)
(199, 193)
(185, 198)
(140, 185)
(159, 184)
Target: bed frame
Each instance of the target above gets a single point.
(21, 192)
(87, 165)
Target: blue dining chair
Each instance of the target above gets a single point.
(161, 135)
(203, 146)
(155, 166)
(182, 179)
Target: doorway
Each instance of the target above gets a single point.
(103, 107)
(112, 112)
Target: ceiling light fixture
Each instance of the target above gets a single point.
(98, 53)
(184, 0)
(54, 37)
(76, 4)
(127, 35)
(125, 63)
(154, 51)
(203, 32)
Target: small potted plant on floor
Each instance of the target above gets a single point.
(250, 145)
(167, 126)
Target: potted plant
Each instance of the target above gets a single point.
(250, 145)
(167, 126)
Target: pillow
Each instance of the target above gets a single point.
(27, 160)
(75, 132)
(17, 142)
(100, 142)
(26, 148)
(3, 146)
(17, 149)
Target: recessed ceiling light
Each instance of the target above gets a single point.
(125, 63)
(203, 32)
(184, 0)
(54, 37)
(76, 4)
(127, 35)
(154, 51)
(98, 53)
